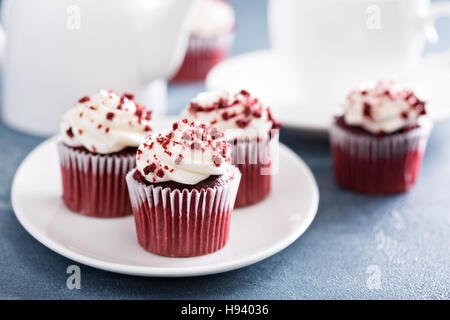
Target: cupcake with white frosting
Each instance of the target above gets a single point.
(379, 141)
(183, 190)
(99, 137)
(212, 26)
(252, 131)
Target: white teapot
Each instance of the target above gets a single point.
(59, 50)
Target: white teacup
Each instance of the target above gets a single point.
(329, 46)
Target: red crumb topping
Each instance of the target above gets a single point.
(110, 116)
(80, 131)
(367, 110)
(184, 137)
(129, 96)
(383, 91)
(243, 123)
(250, 108)
(150, 168)
(160, 173)
(69, 133)
(84, 99)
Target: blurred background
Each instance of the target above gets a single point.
(250, 31)
(252, 34)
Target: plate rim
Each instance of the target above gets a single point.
(147, 271)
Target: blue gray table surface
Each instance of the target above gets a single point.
(402, 240)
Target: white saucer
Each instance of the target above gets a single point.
(259, 72)
(257, 232)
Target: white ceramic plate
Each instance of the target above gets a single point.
(257, 232)
(260, 73)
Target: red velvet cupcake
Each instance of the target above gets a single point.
(97, 148)
(212, 35)
(183, 191)
(379, 143)
(252, 131)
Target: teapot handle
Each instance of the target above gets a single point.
(437, 10)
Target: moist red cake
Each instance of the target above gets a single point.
(183, 208)
(387, 158)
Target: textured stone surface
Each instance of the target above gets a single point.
(404, 237)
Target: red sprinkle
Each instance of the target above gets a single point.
(110, 116)
(405, 115)
(69, 132)
(160, 173)
(149, 168)
(129, 96)
(367, 110)
(84, 99)
(243, 123)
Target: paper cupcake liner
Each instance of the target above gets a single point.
(182, 223)
(94, 185)
(254, 159)
(202, 55)
(374, 165)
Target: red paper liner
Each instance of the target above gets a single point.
(374, 165)
(201, 56)
(182, 223)
(254, 160)
(94, 185)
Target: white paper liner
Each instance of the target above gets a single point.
(257, 161)
(378, 165)
(94, 184)
(182, 223)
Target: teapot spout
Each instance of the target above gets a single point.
(163, 34)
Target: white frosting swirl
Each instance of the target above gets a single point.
(187, 153)
(383, 109)
(211, 18)
(105, 123)
(239, 116)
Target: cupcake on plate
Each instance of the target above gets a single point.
(98, 142)
(379, 142)
(212, 35)
(252, 131)
(183, 190)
